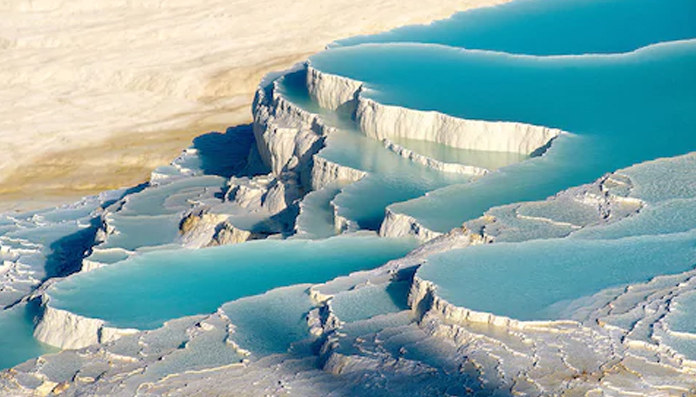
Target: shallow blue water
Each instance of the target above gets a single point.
(152, 288)
(536, 280)
(671, 217)
(392, 176)
(16, 341)
(136, 232)
(489, 160)
(316, 218)
(683, 319)
(270, 323)
(543, 27)
(371, 301)
(621, 110)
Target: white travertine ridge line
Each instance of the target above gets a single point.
(288, 139)
(636, 319)
(398, 225)
(330, 91)
(286, 135)
(380, 121)
(67, 330)
(325, 172)
(455, 168)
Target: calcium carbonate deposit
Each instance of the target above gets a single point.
(498, 204)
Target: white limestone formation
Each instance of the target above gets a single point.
(227, 234)
(325, 172)
(286, 135)
(455, 168)
(381, 121)
(399, 225)
(199, 228)
(384, 121)
(67, 330)
(332, 92)
(626, 341)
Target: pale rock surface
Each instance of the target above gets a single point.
(248, 192)
(383, 121)
(28, 240)
(71, 331)
(455, 168)
(332, 92)
(325, 172)
(227, 234)
(341, 223)
(96, 96)
(617, 343)
(605, 201)
(286, 135)
(198, 228)
(281, 195)
(399, 225)
(88, 265)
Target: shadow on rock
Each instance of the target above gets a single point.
(225, 154)
(67, 253)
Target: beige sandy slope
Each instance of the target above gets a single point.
(94, 94)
